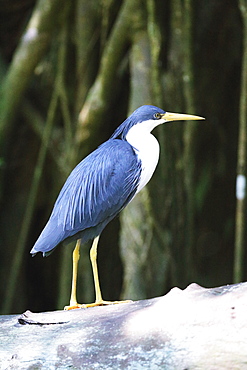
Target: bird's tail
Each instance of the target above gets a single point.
(48, 240)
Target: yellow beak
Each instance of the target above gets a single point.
(179, 117)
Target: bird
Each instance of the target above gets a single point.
(100, 186)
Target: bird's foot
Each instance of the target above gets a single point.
(75, 305)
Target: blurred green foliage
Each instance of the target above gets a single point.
(83, 68)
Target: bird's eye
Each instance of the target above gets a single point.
(157, 116)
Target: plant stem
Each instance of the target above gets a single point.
(241, 165)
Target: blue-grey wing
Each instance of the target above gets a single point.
(94, 193)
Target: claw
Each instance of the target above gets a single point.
(100, 303)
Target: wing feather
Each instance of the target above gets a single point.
(94, 193)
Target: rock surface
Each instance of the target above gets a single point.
(195, 328)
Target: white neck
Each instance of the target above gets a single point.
(146, 147)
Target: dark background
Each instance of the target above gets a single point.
(70, 73)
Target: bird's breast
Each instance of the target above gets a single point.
(147, 149)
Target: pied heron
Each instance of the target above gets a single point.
(101, 185)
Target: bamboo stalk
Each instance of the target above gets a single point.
(102, 90)
(155, 46)
(20, 247)
(31, 48)
(189, 140)
(241, 165)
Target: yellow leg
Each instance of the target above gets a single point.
(98, 296)
(93, 258)
(76, 256)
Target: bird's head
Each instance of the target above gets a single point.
(149, 116)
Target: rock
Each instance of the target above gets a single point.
(195, 328)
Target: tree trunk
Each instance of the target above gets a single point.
(195, 328)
